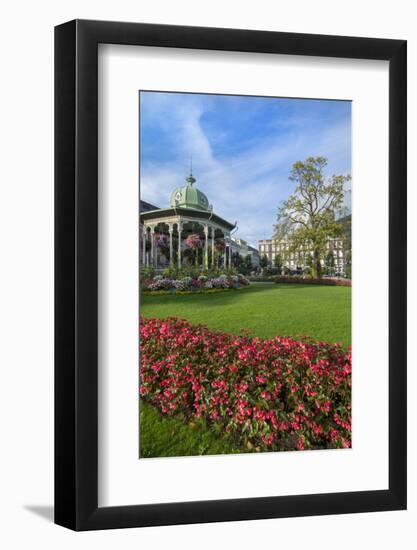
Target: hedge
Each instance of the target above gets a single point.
(188, 292)
(311, 281)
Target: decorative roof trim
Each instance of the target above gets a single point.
(187, 212)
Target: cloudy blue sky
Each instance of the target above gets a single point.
(242, 150)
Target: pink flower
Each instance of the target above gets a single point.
(327, 406)
(193, 241)
(300, 444)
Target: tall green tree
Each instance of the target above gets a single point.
(329, 262)
(307, 217)
(278, 263)
(263, 261)
(247, 263)
(237, 260)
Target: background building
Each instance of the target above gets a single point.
(338, 251)
(241, 247)
(299, 259)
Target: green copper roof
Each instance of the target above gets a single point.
(189, 196)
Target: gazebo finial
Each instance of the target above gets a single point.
(190, 180)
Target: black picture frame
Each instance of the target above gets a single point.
(76, 272)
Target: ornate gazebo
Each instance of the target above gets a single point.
(189, 213)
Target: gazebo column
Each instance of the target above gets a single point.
(171, 256)
(153, 246)
(206, 231)
(148, 252)
(144, 231)
(230, 253)
(179, 246)
(225, 253)
(212, 247)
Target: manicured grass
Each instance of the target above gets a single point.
(163, 436)
(265, 310)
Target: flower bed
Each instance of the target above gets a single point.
(311, 281)
(194, 284)
(277, 394)
(187, 292)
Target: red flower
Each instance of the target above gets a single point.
(327, 406)
(300, 444)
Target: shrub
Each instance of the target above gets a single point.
(262, 278)
(311, 281)
(147, 272)
(243, 280)
(196, 283)
(185, 292)
(277, 394)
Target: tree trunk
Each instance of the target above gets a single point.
(316, 267)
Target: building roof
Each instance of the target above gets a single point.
(145, 206)
(189, 196)
(185, 201)
(189, 212)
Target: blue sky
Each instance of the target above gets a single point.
(242, 150)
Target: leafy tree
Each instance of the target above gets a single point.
(348, 264)
(278, 263)
(329, 263)
(346, 225)
(247, 264)
(237, 260)
(307, 217)
(263, 262)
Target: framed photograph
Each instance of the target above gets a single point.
(230, 244)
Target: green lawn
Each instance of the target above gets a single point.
(265, 310)
(322, 312)
(163, 436)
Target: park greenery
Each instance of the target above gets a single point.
(261, 311)
(307, 219)
(191, 279)
(278, 394)
(264, 368)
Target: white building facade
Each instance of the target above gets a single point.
(299, 259)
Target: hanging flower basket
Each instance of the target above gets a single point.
(193, 241)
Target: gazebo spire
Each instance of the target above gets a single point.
(190, 180)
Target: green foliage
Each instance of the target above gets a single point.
(346, 228)
(262, 278)
(171, 272)
(147, 272)
(307, 217)
(310, 281)
(329, 263)
(244, 386)
(247, 264)
(188, 292)
(237, 260)
(264, 262)
(278, 263)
